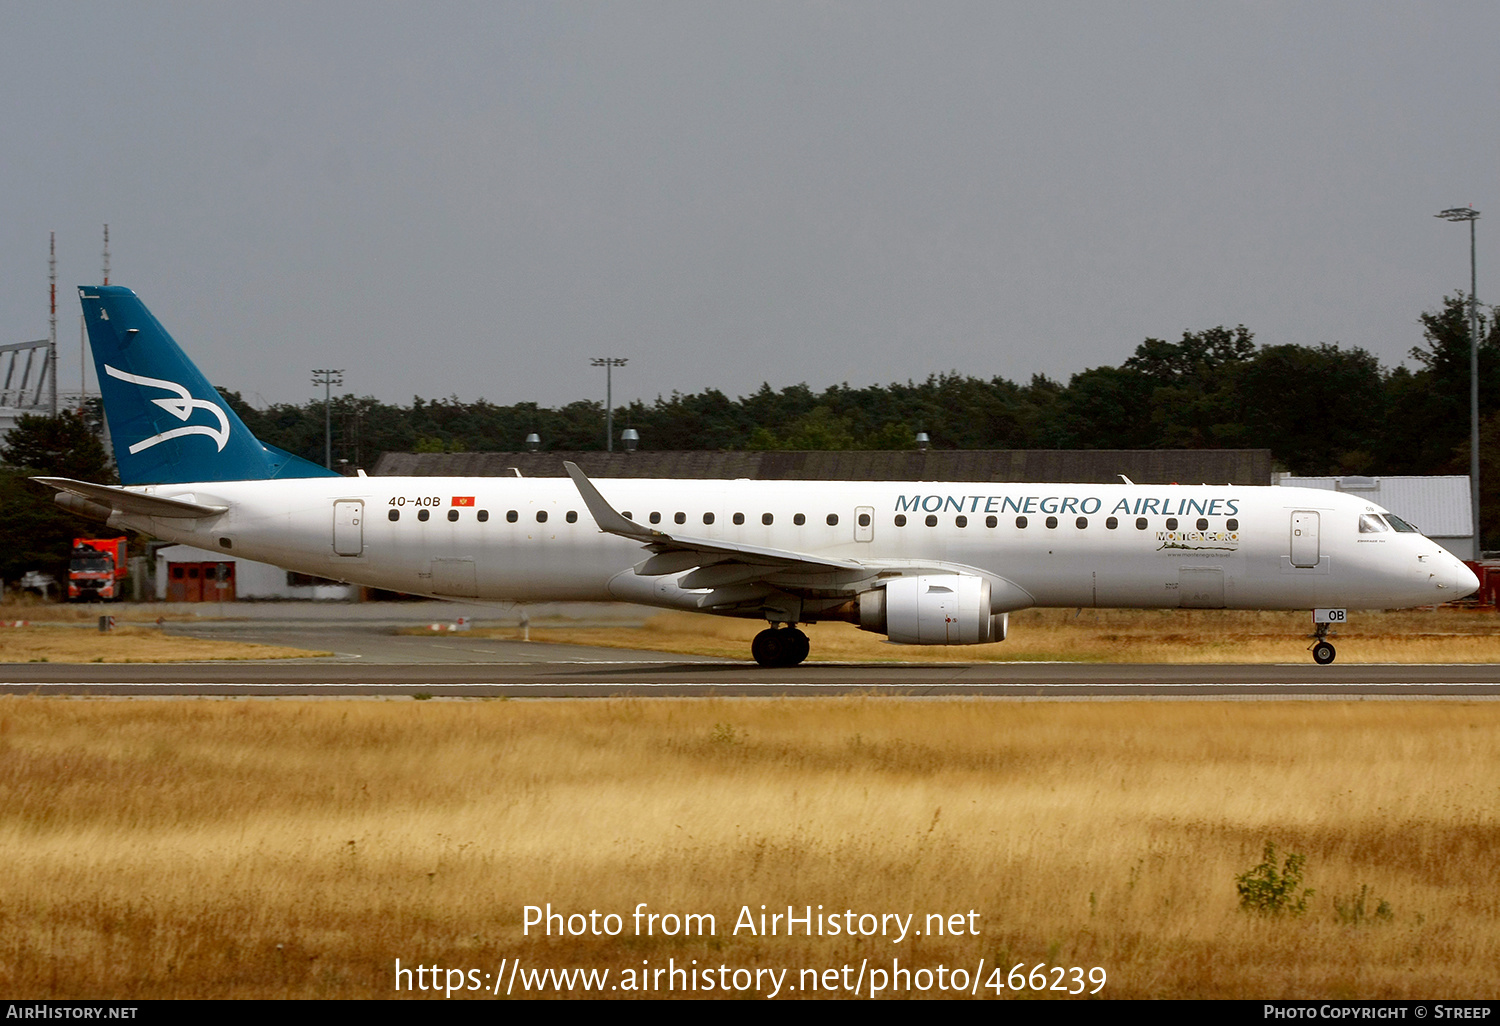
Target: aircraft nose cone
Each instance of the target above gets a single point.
(1462, 581)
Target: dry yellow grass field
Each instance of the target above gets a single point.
(297, 849)
(59, 643)
(1093, 635)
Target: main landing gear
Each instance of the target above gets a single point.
(780, 646)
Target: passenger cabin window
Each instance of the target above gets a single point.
(1369, 523)
(655, 518)
(1232, 524)
(799, 519)
(1171, 523)
(1082, 522)
(1140, 523)
(453, 514)
(572, 516)
(767, 519)
(1052, 522)
(422, 514)
(990, 521)
(482, 516)
(900, 519)
(1202, 524)
(931, 520)
(1112, 522)
(708, 518)
(1021, 522)
(394, 514)
(960, 521)
(541, 516)
(679, 518)
(511, 516)
(739, 518)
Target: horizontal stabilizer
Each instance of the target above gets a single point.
(123, 500)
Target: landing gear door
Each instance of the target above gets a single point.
(1304, 538)
(348, 527)
(864, 523)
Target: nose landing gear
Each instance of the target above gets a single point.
(1323, 619)
(780, 646)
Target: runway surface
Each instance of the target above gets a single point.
(372, 660)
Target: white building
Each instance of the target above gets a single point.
(188, 574)
(1439, 506)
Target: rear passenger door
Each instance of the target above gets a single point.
(348, 527)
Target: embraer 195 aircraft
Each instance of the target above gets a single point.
(923, 563)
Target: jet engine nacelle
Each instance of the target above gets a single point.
(933, 609)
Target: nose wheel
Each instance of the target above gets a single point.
(1323, 653)
(780, 646)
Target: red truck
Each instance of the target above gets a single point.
(96, 571)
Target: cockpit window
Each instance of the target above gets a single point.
(1401, 525)
(1369, 523)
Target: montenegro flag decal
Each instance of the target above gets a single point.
(463, 500)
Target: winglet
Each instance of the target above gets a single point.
(609, 521)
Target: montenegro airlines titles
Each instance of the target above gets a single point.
(939, 564)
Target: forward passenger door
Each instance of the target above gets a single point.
(1304, 538)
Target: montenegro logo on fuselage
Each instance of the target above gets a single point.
(181, 406)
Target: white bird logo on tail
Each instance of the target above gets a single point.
(181, 407)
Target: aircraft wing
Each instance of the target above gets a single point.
(101, 501)
(675, 553)
(735, 574)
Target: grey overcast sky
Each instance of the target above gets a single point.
(473, 199)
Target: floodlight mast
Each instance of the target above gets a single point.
(52, 321)
(1471, 215)
(328, 378)
(609, 363)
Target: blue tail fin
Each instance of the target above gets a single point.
(168, 424)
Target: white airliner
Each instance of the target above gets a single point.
(921, 562)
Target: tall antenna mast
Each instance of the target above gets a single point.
(106, 254)
(52, 318)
